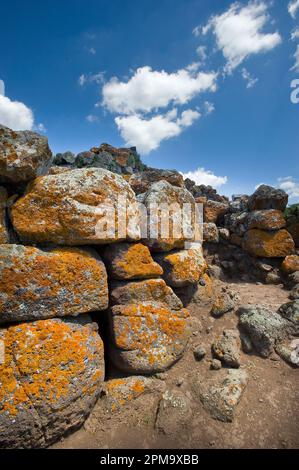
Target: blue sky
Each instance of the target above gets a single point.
(215, 99)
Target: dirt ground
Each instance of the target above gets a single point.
(266, 417)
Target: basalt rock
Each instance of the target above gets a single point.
(23, 155)
(37, 284)
(182, 267)
(181, 228)
(268, 244)
(146, 338)
(78, 207)
(213, 210)
(266, 220)
(50, 380)
(290, 264)
(150, 290)
(130, 261)
(141, 182)
(267, 197)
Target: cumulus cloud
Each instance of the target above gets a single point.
(206, 177)
(15, 114)
(250, 81)
(202, 52)
(239, 32)
(296, 57)
(208, 107)
(2, 88)
(289, 185)
(293, 7)
(149, 89)
(147, 134)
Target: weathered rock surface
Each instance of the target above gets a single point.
(36, 284)
(294, 231)
(226, 348)
(221, 395)
(76, 208)
(266, 220)
(121, 392)
(289, 351)
(130, 261)
(290, 264)
(150, 290)
(23, 155)
(268, 244)
(50, 380)
(202, 294)
(290, 311)
(213, 210)
(4, 236)
(210, 233)
(236, 222)
(263, 326)
(141, 182)
(222, 304)
(182, 268)
(146, 338)
(174, 412)
(267, 197)
(178, 229)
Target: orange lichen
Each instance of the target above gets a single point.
(31, 275)
(136, 262)
(41, 359)
(268, 244)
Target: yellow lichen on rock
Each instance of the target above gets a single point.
(53, 367)
(36, 284)
(4, 238)
(268, 244)
(131, 261)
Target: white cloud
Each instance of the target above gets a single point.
(148, 89)
(206, 177)
(15, 115)
(2, 88)
(289, 185)
(295, 34)
(97, 78)
(296, 56)
(209, 107)
(147, 134)
(91, 118)
(239, 33)
(250, 81)
(201, 51)
(293, 7)
(41, 127)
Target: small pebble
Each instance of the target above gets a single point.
(199, 352)
(215, 364)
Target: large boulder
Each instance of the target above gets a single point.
(182, 267)
(79, 207)
(4, 236)
(141, 182)
(294, 231)
(213, 210)
(263, 327)
(36, 284)
(165, 227)
(266, 220)
(130, 261)
(146, 338)
(290, 311)
(149, 290)
(267, 197)
(49, 381)
(23, 155)
(268, 244)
